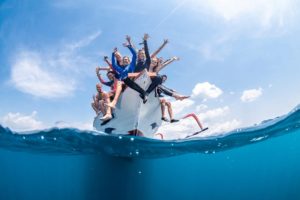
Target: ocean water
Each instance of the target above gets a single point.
(258, 162)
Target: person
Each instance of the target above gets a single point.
(143, 59)
(144, 62)
(127, 67)
(164, 103)
(157, 64)
(99, 101)
(110, 75)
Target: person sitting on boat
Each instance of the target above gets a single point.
(144, 62)
(127, 67)
(110, 75)
(113, 82)
(164, 103)
(99, 101)
(157, 64)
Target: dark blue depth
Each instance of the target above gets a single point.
(73, 164)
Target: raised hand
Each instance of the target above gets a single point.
(115, 49)
(126, 44)
(146, 36)
(160, 60)
(166, 41)
(176, 58)
(128, 38)
(97, 70)
(105, 58)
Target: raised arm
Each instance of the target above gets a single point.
(104, 68)
(99, 76)
(169, 61)
(146, 49)
(107, 61)
(159, 49)
(133, 59)
(128, 39)
(114, 65)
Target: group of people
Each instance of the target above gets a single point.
(121, 72)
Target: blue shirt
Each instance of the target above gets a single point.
(124, 70)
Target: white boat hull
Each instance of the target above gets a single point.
(131, 115)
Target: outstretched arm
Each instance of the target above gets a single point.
(160, 48)
(104, 68)
(107, 61)
(99, 76)
(131, 66)
(146, 49)
(114, 65)
(128, 39)
(169, 61)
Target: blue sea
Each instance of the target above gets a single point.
(258, 162)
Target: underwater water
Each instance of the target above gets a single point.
(259, 162)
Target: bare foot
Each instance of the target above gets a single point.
(106, 117)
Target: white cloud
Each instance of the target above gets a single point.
(214, 119)
(265, 13)
(21, 122)
(234, 19)
(84, 42)
(78, 125)
(30, 76)
(251, 95)
(201, 108)
(206, 90)
(222, 127)
(50, 74)
(214, 113)
(179, 106)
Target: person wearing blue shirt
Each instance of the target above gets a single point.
(128, 67)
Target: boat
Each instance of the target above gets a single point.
(131, 116)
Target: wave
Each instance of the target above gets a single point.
(77, 142)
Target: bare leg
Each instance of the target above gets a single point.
(102, 106)
(106, 101)
(163, 106)
(95, 108)
(117, 95)
(170, 111)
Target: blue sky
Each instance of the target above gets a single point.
(238, 59)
